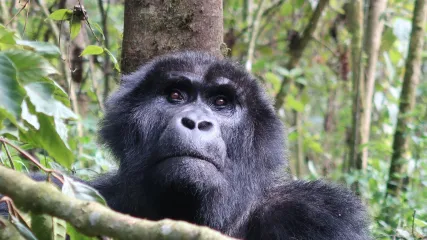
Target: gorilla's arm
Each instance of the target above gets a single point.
(309, 210)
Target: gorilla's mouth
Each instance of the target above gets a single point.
(195, 157)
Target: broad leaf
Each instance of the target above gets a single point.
(23, 230)
(48, 227)
(11, 93)
(6, 36)
(75, 26)
(49, 139)
(61, 14)
(113, 59)
(44, 48)
(81, 191)
(30, 67)
(294, 104)
(97, 27)
(74, 234)
(29, 117)
(42, 96)
(92, 50)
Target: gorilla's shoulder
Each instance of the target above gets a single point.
(309, 210)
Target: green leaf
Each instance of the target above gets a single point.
(299, 3)
(7, 129)
(96, 25)
(337, 6)
(282, 71)
(11, 93)
(113, 59)
(29, 117)
(59, 229)
(81, 191)
(301, 81)
(287, 9)
(74, 234)
(388, 39)
(296, 72)
(48, 138)
(23, 230)
(75, 26)
(48, 227)
(403, 233)
(59, 93)
(92, 50)
(315, 147)
(274, 80)
(420, 223)
(294, 104)
(44, 48)
(61, 14)
(312, 169)
(29, 66)
(41, 95)
(292, 136)
(7, 36)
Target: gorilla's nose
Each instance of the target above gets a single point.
(202, 125)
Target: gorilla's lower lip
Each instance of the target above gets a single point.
(200, 158)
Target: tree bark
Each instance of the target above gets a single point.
(153, 28)
(407, 98)
(91, 218)
(371, 44)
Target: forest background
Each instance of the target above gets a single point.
(348, 79)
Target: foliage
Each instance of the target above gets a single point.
(33, 107)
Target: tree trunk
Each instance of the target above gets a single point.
(156, 27)
(355, 13)
(372, 45)
(407, 98)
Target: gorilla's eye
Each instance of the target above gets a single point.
(220, 101)
(175, 95)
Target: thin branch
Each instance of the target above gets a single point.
(19, 11)
(254, 35)
(52, 24)
(268, 12)
(9, 157)
(371, 45)
(326, 46)
(55, 173)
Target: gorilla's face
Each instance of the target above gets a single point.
(195, 115)
(189, 121)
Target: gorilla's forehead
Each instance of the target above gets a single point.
(205, 69)
(200, 77)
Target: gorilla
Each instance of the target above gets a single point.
(198, 140)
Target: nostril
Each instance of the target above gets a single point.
(188, 123)
(204, 125)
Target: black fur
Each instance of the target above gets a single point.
(219, 166)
